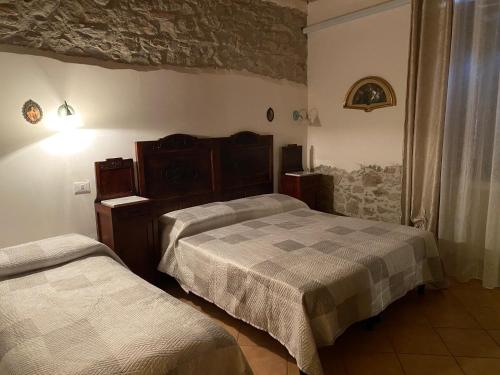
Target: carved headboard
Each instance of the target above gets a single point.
(177, 165)
(246, 165)
(182, 170)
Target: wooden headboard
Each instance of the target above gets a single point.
(246, 165)
(181, 170)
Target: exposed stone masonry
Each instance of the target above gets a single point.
(245, 35)
(371, 192)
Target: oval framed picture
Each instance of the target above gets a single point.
(270, 114)
(370, 93)
(32, 112)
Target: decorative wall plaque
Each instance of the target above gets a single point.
(32, 112)
(270, 114)
(370, 93)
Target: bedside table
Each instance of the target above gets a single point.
(303, 187)
(130, 231)
(126, 223)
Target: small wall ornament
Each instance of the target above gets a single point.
(370, 93)
(32, 112)
(270, 114)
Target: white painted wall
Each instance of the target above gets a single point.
(319, 10)
(339, 56)
(119, 107)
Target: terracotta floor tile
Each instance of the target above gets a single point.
(475, 298)
(409, 311)
(264, 361)
(333, 366)
(469, 342)
(496, 298)
(488, 317)
(359, 340)
(444, 315)
(332, 360)
(416, 340)
(292, 368)
(415, 364)
(495, 334)
(373, 364)
(479, 366)
(471, 285)
(251, 336)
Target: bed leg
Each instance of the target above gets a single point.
(421, 290)
(370, 323)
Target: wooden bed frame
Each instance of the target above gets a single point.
(181, 170)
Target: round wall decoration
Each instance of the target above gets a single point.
(32, 112)
(370, 93)
(270, 114)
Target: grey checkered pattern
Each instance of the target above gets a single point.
(307, 277)
(87, 314)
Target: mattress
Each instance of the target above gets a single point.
(68, 306)
(302, 275)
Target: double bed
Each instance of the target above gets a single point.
(302, 275)
(69, 306)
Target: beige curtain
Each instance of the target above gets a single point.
(469, 216)
(430, 42)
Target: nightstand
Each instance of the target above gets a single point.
(128, 228)
(130, 232)
(304, 187)
(296, 183)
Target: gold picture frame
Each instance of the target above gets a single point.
(370, 93)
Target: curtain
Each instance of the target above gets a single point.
(469, 223)
(430, 43)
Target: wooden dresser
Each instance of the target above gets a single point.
(130, 229)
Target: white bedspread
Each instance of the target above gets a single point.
(87, 314)
(301, 275)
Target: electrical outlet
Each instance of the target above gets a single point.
(81, 187)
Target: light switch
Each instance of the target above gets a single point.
(81, 187)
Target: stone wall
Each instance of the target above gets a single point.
(245, 35)
(371, 192)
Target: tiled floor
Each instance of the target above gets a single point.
(448, 332)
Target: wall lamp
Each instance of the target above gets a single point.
(67, 118)
(305, 117)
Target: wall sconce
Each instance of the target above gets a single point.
(66, 118)
(65, 110)
(305, 117)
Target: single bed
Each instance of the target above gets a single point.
(302, 275)
(68, 306)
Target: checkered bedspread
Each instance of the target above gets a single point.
(301, 275)
(87, 314)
